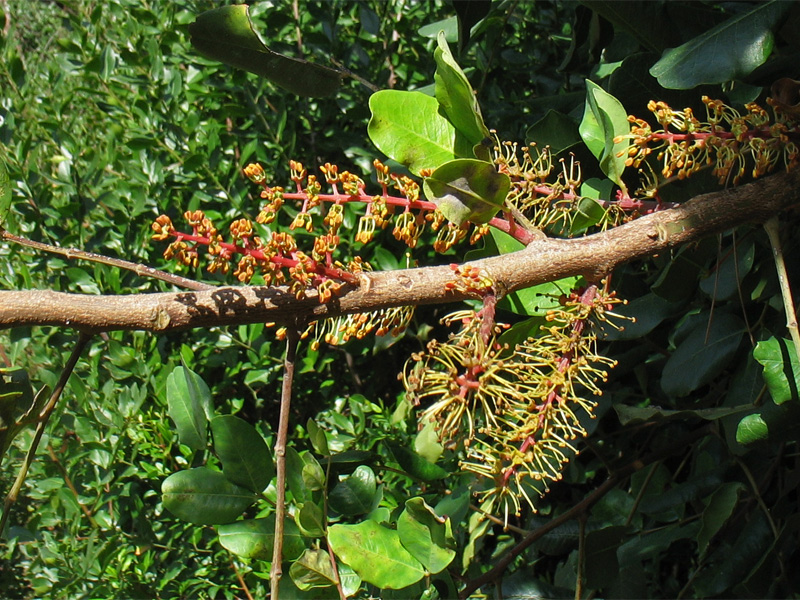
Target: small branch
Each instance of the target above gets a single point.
(141, 270)
(276, 572)
(773, 231)
(44, 416)
(242, 582)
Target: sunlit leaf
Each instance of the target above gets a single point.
(604, 119)
(467, 190)
(254, 538)
(407, 127)
(376, 554)
(456, 96)
(189, 402)
(204, 496)
(426, 535)
(781, 368)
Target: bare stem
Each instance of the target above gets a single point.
(44, 415)
(772, 229)
(276, 572)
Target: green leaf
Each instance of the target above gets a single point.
(718, 511)
(313, 474)
(354, 495)
(376, 554)
(204, 496)
(416, 466)
(604, 118)
(702, 355)
(426, 535)
(407, 127)
(254, 538)
(731, 50)
(310, 520)
(752, 429)
(781, 368)
(313, 570)
(246, 459)
(467, 190)
(294, 476)
(456, 96)
(189, 404)
(226, 34)
(319, 440)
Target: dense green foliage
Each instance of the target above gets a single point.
(108, 118)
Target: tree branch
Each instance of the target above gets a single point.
(541, 261)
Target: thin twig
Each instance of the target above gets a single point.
(140, 270)
(242, 582)
(276, 572)
(44, 415)
(772, 229)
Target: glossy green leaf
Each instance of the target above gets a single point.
(294, 476)
(702, 355)
(310, 520)
(226, 34)
(604, 118)
(246, 459)
(416, 466)
(313, 570)
(354, 495)
(467, 190)
(189, 405)
(731, 50)
(319, 440)
(781, 368)
(752, 429)
(254, 538)
(426, 442)
(718, 511)
(204, 496)
(426, 535)
(376, 554)
(312, 473)
(407, 127)
(456, 96)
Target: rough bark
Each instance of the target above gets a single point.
(543, 260)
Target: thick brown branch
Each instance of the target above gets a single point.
(542, 261)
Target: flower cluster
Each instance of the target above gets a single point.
(513, 411)
(543, 202)
(726, 140)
